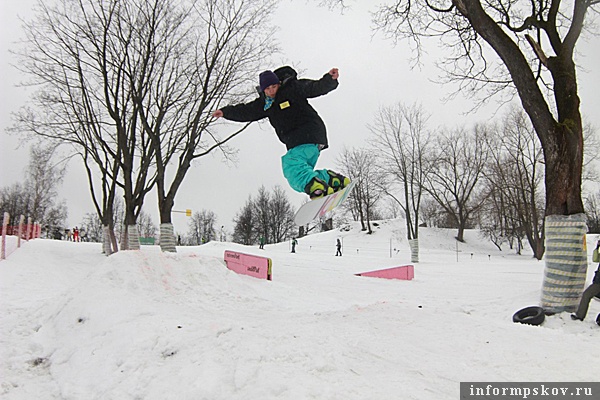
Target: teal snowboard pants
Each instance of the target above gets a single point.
(299, 166)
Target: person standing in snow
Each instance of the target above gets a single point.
(294, 243)
(283, 99)
(588, 294)
(339, 248)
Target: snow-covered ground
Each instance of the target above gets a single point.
(149, 325)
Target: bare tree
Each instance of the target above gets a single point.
(129, 85)
(37, 196)
(535, 45)
(498, 218)
(282, 213)
(402, 142)
(146, 226)
(592, 206)
(77, 55)
(197, 56)
(532, 56)
(202, 227)
(14, 200)
(45, 174)
(262, 215)
(517, 174)
(456, 173)
(591, 153)
(243, 231)
(270, 215)
(360, 165)
(93, 227)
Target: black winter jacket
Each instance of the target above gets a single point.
(294, 119)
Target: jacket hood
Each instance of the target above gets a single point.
(285, 73)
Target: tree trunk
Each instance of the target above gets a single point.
(566, 262)
(106, 243)
(113, 238)
(130, 238)
(563, 153)
(414, 250)
(167, 233)
(167, 237)
(165, 206)
(562, 142)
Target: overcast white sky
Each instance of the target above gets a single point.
(373, 73)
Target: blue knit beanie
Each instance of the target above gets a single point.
(267, 79)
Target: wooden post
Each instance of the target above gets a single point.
(28, 229)
(21, 220)
(4, 227)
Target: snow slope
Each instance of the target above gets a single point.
(149, 325)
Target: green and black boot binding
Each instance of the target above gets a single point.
(337, 181)
(317, 188)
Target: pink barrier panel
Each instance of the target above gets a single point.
(405, 272)
(246, 264)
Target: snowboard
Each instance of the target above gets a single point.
(321, 206)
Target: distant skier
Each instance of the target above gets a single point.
(283, 99)
(294, 243)
(339, 248)
(261, 242)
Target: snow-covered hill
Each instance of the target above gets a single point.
(149, 325)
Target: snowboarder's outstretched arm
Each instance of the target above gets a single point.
(247, 112)
(315, 88)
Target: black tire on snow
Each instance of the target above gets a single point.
(532, 315)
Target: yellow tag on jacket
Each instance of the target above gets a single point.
(284, 105)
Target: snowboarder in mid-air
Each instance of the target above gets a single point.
(283, 99)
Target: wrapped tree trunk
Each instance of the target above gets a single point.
(167, 238)
(566, 262)
(414, 250)
(130, 239)
(106, 240)
(134, 237)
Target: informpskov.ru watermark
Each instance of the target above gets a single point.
(529, 390)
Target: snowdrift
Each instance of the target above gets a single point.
(149, 325)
